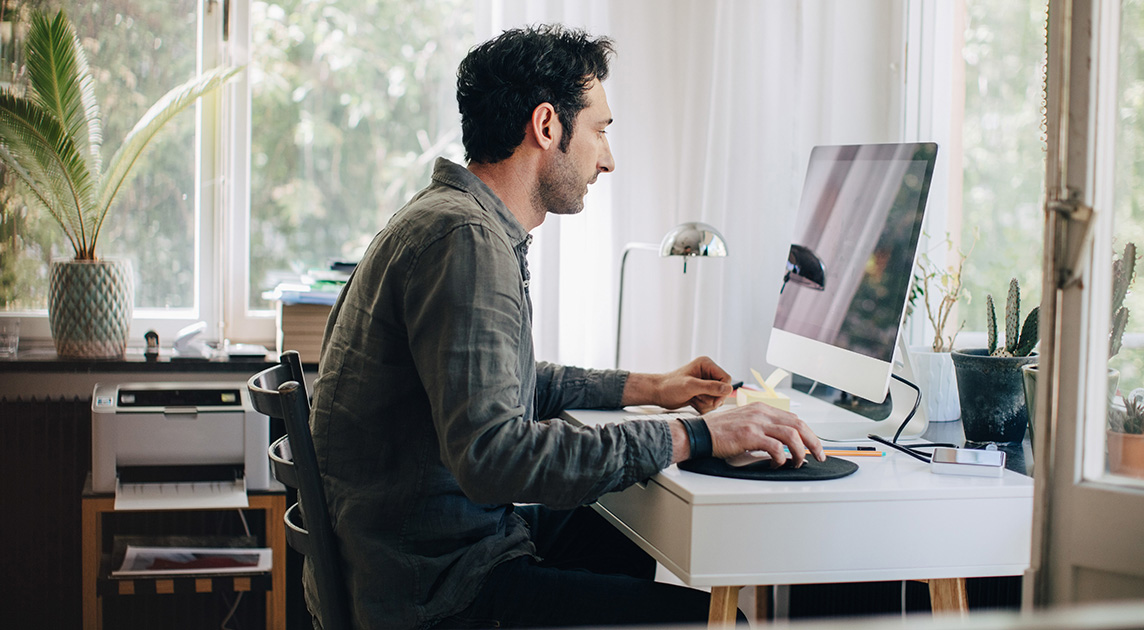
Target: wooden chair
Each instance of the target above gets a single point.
(280, 392)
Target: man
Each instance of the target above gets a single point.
(431, 414)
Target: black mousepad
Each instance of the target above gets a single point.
(812, 470)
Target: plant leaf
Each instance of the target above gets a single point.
(1029, 334)
(173, 102)
(61, 82)
(40, 152)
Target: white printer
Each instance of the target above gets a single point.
(177, 445)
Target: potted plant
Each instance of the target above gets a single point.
(1126, 436)
(989, 381)
(939, 289)
(50, 138)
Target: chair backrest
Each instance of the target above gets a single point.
(280, 392)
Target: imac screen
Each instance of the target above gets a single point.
(846, 290)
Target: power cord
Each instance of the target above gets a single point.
(905, 448)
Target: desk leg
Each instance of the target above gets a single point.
(91, 519)
(274, 506)
(724, 606)
(948, 595)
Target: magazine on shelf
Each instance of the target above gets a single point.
(151, 561)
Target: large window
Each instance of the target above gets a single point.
(349, 103)
(137, 50)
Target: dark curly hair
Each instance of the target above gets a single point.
(500, 83)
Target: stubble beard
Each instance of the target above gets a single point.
(559, 189)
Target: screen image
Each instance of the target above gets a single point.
(850, 267)
(861, 215)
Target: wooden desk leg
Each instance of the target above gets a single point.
(91, 519)
(274, 506)
(948, 595)
(724, 606)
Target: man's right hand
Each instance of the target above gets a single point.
(755, 427)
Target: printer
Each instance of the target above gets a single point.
(177, 445)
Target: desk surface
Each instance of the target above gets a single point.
(892, 519)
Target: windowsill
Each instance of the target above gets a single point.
(45, 359)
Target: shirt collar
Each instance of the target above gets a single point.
(452, 174)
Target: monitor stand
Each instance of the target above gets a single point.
(835, 424)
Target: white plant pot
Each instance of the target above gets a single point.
(938, 382)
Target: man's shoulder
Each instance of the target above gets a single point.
(438, 211)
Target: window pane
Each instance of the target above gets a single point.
(1129, 226)
(137, 50)
(1004, 152)
(351, 104)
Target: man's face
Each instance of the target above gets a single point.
(564, 179)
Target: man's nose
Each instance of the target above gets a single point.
(607, 164)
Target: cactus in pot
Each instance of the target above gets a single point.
(1016, 345)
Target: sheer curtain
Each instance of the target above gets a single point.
(717, 105)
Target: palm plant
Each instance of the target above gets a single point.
(51, 138)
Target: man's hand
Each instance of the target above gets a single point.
(760, 427)
(701, 384)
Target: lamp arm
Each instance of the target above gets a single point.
(620, 301)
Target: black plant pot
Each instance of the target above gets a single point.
(992, 394)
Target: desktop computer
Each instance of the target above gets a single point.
(853, 255)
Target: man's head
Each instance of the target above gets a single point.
(502, 81)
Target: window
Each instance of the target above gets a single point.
(1003, 164)
(349, 103)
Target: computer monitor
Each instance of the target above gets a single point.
(857, 230)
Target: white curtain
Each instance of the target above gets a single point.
(717, 104)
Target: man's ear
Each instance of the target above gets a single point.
(545, 125)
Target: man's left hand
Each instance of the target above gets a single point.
(701, 384)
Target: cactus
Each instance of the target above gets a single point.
(1016, 345)
(1131, 420)
(1123, 273)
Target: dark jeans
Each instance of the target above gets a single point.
(589, 575)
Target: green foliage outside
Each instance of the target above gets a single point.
(1004, 159)
(137, 51)
(353, 101)
(1129, 194)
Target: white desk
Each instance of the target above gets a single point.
(891, 520)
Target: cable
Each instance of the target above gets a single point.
(907, 448)
(913, 410)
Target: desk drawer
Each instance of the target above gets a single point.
(806, 542)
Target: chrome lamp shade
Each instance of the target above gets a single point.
(686, 239)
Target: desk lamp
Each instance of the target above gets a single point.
(805, 268)
(686, 239)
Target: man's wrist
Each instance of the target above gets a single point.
(679, 448)
(699, 443)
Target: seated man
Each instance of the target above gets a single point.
(433, 420)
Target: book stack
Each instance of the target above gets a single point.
(300, 327)
(304, 307)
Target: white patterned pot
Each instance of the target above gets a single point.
(936, 378)
(90, 303)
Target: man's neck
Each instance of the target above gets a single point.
(512, 182)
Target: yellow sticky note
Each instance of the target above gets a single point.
(767, 395)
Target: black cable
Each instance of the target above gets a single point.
(913, 410)
(905, 448)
